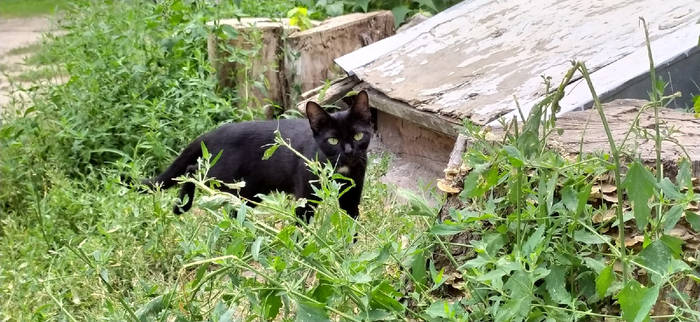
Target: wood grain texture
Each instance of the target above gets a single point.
(583, 131)
(680, 128)
(471, 60)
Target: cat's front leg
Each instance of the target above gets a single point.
(350, 202)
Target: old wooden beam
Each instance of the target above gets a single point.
(328, 94)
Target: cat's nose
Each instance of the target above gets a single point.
(347, 148)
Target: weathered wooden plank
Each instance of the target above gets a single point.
(583, 131)
(291, 60)
(315, 49)
(469, 62)
(322, 95)
(402, 110)
(680, 127)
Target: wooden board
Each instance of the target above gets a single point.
(292, 61)
(470, 61)
(265, 62)
(315, 49)
(583, 131)
(683, 127)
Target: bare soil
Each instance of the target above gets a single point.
(17, 33)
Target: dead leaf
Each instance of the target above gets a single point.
(617, 266)
(633, 240)
(681, 232)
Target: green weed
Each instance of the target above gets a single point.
(28, 8)
(28, 49)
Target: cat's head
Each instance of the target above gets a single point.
(343, 136)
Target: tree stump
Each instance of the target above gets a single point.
(287, 61)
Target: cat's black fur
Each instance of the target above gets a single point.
(243, 145)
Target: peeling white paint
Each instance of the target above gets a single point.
(474, 57)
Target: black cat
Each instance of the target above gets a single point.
(341, 137)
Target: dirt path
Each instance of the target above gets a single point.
(15, 35)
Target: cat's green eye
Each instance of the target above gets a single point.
(332, 141)
(358, 136)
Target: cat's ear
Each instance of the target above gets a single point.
(318, 118)
(360, 107)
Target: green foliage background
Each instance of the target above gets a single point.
(77, 243)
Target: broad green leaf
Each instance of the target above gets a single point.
(675, 245)
(588, 238)
(603, 281)
(278, 264)
(693, 219)
(519, 288)
(639, 184)
(255, 248)
(672, 216)
(439, 309)
(400, 13)
(472, 180)
(670, 190)
(447, 228)
(656, 257)
(240, 214)
(533, 241)
(556, 284)
(362, 4)
(270, 151)
(444, 310)
(200, 274)
(360, 278)
(383, 296)
(379, 315)
(419, 206)
(502, 268)
(514, 156)
(678, 265)
(436, 276)
(285, 236)
(418, 264)
(152, 308)
(323, 291)
(583, 198)
(310, 248)
(308, 311)
(271, 304)
(569, 198)
(594, 264)
(636, 301)
(428, 4)
(683, 178)
(229, 31)
(335, 9)
(493, 243)
(221, 313)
